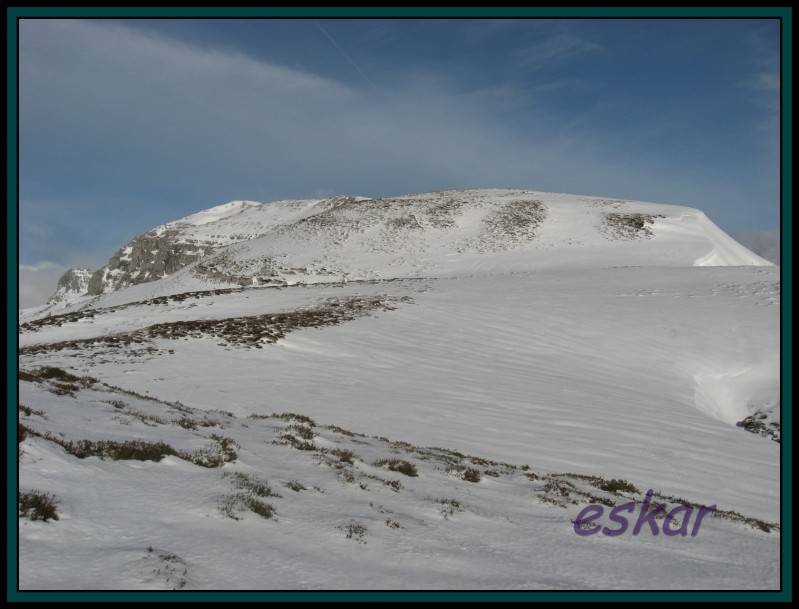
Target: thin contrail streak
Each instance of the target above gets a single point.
(344, 53)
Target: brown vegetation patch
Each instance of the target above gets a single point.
(629, 226)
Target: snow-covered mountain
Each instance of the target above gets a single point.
(249, 243)
(418, 392)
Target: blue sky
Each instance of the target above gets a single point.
(127, 124)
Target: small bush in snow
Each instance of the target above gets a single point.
(290, 416)
(264, 510)
(295, 486)
(301, 431)
(136, 450)
(354, 531)
(28, 411)
(397, 465)
(449, 506)
(471, 474)
(345, 456)
(52, 373)
(223, 451)
(232, 505)
(617, 486)
(37, 505)
(296, 442)
(394, 485)
(247, 482)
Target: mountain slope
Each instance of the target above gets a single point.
(449, 233)
(523, 354)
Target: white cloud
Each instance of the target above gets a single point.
(37, 282)
(141, 107)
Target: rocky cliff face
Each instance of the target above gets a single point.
(148, 257)
(72, 284)
(169, 247)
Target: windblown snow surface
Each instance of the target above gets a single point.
(527, 354)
